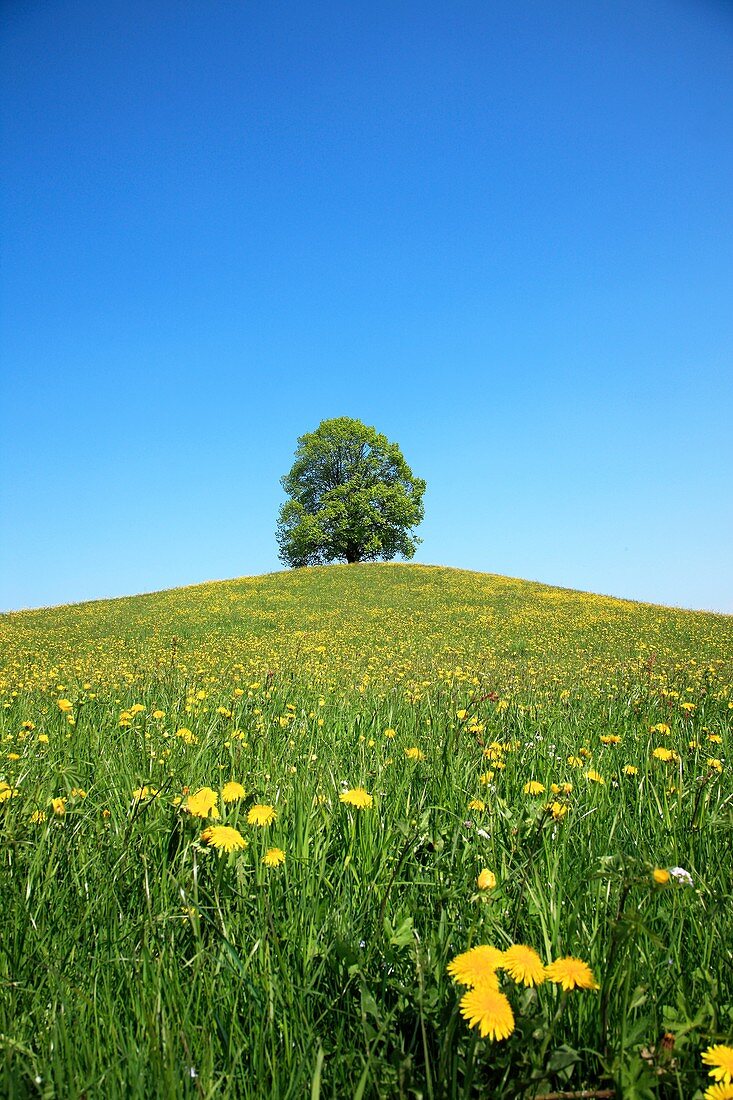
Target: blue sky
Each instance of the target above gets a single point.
(502, 233)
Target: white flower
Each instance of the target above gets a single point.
(681, 875)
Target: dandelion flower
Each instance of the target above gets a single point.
(357, 797)
(720, 1057)
(224, 838)
(390, 733)
(477, 804)
(630, 769)
(477, 966)
(232, 791)
(665, 755)
(273, 857)
(261, 814)
(38, 817)
(610, 739)
(571, 973)
(523, 964)
(558, 810)
(486, 880)
(533, 787)
(720, 1091)
(661, 876)
(58, 805)
(7, 792)
(488, 1010)
(414, 753)
(65, 705)
(202, 803)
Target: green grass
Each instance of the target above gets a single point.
(135, 961)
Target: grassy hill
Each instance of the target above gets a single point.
(249, 830)
(335, 625)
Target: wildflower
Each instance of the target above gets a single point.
(630, 769)
(42, 738)
(461, 715)
(486, 880)
(477, 804)
(13, 756)
(6, 792)
(679, 874)
(571, 973)
(561, 788)
(720, 1057)
(273, 857)
(610, 739)
(715, 765)
(58, 805)
(65, 705)
(558, 810)
(38, 817)
(232, 791)
(477, 966)
(661, 876)
(261, 814)
(224, 838)
(533, 787)
(414, 753)
(390, 733)
(202, 803)
(523, 964)
(688, 707)
(720, 1091)
(665, 755)
(575, 762)
(357, 797)
(77, 792)
(715, 738)
(485, 778)
(661, 727)
(187, 736)
(489, 1010)
(158, 714)
(144, 792)
(594, 777)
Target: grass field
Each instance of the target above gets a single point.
(406, 762)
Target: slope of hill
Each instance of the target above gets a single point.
(340, 626)
(251, 831)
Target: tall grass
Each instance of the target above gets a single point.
(135, 960)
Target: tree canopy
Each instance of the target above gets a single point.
(352, 497)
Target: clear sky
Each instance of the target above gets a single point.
(500, 232)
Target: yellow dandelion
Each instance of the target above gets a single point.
(485, 778)
(477, 804)
(65, 705)
(232, 792)
(575, 761)
(273, 857)
(38, 817)
(558, 810)
(261, 814)
(630, 769)
(486, 880)
(7, 792)
(488, 1010)
(357, 797)
(42, 738)
(144, 792)
(610, 739)
(187, 736)
(390, 733)
(720, 1057)
(594, 777)
(414, 753)
(715, 765)
(665, 755)
(571, 973)
(224, 838)
(58, 805)
(721, 1091)
(202, 803)
(477, 966)
(533, 787)
(523, 964)
(661, 876)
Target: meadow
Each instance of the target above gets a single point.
(253, 830)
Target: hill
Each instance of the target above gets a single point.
(341, 626)
(252, 831)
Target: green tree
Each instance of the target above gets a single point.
(352, 497)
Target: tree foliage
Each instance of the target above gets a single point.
(352, 497)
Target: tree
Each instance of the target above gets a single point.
(352, 497)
